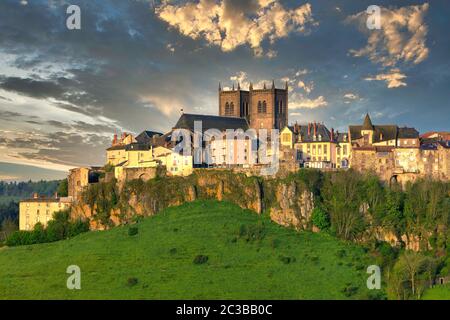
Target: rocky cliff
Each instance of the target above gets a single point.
(288, 201)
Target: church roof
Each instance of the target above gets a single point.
(186, 121)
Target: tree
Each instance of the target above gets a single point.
(342, 197)
(63, 188)
(9, 226)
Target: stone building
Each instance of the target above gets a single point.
(80, 178)
(398, 153)
(40, 209)
(264, 108)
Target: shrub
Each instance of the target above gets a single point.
(341, 253)
(77, 227)
(350, 290)
(132, 231)
(252, 232)
(286, 260)
(200, 259)
(19, 238)
(320, 218)
(57, 229)
(38, 235)
(131, 282)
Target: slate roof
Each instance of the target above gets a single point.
(408, 133)
(386, 132)
(367, 125)
(186, 121)
(146, 136)
(131, 146)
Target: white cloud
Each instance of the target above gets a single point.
(224, 24)
(349, 97)
(298, 101)
(401, 39)
(394, 78)
(307, 87)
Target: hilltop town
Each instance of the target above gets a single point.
(244, 138)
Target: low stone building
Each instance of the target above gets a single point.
(80, 178)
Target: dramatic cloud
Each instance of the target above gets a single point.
(401, 39)
(394, 78)
(229, 23)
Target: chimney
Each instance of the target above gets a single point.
(309, 128)
(114, 142)
(56, 195)
(332, 134)
(35, 195)
(315, 128)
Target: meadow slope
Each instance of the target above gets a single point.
(249, 257)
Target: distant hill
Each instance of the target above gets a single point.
(238, 255)
(19, 172)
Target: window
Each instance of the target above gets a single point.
(259, 107)
(325, 150)
(286, 137)
(344, 150)
(264, 107)
(229, 109)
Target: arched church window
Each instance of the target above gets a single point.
(227, 108)
(231, 109)
(264, 107)
(259, 107)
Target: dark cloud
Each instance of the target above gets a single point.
(119, 67)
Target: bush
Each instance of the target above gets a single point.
(131, 282)
(200, 259)
(132, 231)
(287, 260)
(57, 229)
(350, 290)
(252, 232)
(320, 218)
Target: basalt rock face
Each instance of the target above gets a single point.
(289, 203)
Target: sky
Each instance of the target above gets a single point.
(135, 64)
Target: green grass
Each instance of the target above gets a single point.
(438, 293)
(157, 262)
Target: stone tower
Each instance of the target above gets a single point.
(234, 102)
(264, 108)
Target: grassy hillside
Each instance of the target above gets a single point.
(438, 293)
(248, 257)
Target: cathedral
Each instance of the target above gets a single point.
(265, 108)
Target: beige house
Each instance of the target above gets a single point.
(176, 164)
(40, 210)
(315, 146)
